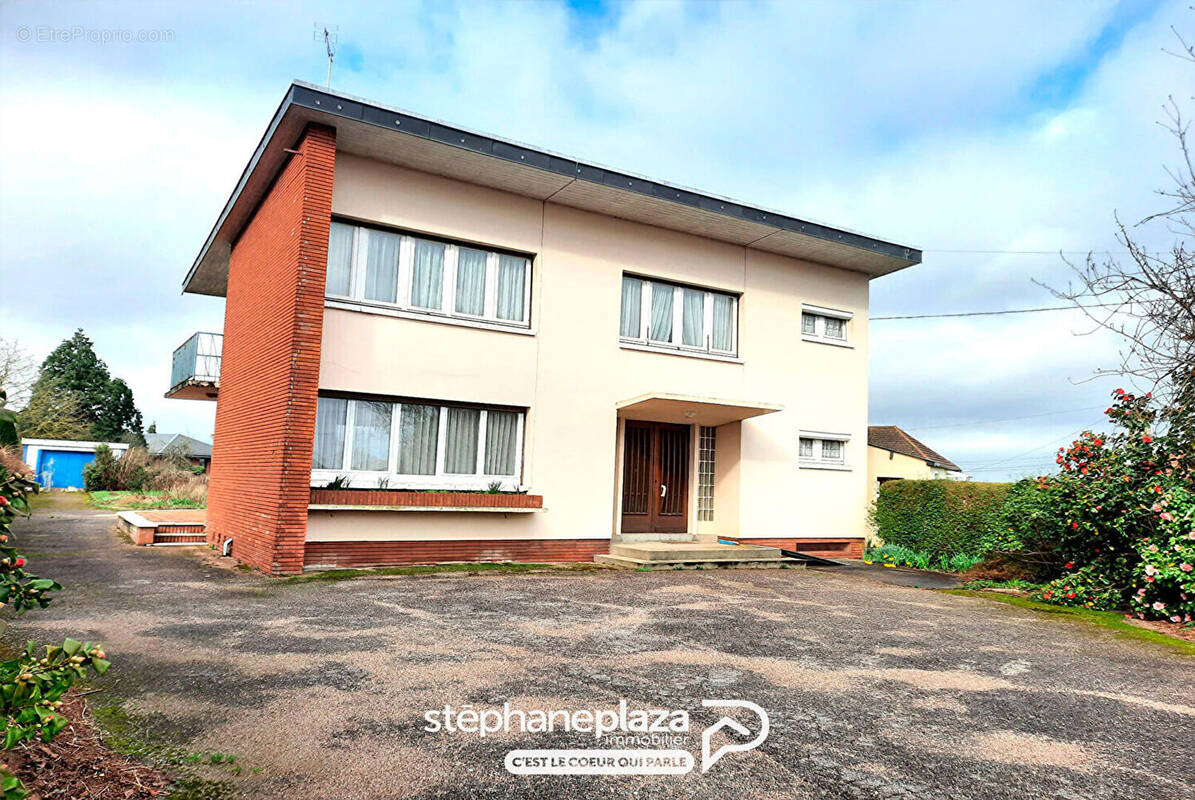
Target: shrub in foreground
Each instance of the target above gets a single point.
(1114, 527)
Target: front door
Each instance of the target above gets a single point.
(655, 478)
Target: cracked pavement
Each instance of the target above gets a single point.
(873, 690)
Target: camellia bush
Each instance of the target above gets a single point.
(32, 684)
(1114, 527)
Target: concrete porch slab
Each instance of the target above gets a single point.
(693, 551)
(623, 562)
(693, 555)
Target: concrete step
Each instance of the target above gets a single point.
(693, 551)
(622, 562)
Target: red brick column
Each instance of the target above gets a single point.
(269, 375)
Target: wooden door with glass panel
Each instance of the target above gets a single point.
(655, 478)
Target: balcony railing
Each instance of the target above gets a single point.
(195, 369)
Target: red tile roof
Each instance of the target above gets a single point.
(890, 437)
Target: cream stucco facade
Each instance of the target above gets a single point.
(570, 372)
(885, 465)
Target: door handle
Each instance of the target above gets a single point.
(663, 490)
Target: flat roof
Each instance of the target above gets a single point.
(399, 137)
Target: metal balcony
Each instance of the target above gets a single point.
(195, 370)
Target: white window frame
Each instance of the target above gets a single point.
(447, 312)
(819, 461)
(676, 344)
(820, 314)
(369, 479)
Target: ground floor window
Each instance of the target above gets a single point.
(824, 450)
(413, 445)
(706, 442)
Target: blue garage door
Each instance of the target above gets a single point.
(62, 469)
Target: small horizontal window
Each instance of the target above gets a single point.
(396, 445)
(825, 325)
(814, 451)
(424, 276)
(676, 317)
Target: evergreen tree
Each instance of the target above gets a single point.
(103, 402)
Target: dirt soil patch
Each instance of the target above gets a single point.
(1178, 630)
(76, 764)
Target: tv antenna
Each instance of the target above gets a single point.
(330, 35)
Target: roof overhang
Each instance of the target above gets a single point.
(691, 409)
(398, 137)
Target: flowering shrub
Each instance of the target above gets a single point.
(17, 587)
(31, 687)
(1093, 524)
(1165, 578)
(1090, 586)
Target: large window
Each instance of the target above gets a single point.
(422, 276)
(384, 444)
(674, 317)
(825, 325)
(822, 450)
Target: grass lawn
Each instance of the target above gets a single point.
(1108, 619)
(136, 501)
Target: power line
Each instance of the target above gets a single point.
(1003, 462)
(1004, 419)
(995, 313)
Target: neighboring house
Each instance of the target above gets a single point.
(58, 463)
(413, 306)
(893, 454)
(196, 452)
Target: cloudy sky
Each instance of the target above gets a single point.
(962, 128)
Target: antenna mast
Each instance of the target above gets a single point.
(329, 33)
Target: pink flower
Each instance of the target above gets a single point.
(1156, 507)
(1166, 516)
(1149, 578)
(1153, 548)
(1176, 618)
(1159, 606)
(1186, 567)
(1140, 591)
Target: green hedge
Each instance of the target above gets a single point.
(941, 518)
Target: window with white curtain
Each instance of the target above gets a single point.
(824, 325)
(822, 450)
(416, 445)
(678, 318)
(408, 274)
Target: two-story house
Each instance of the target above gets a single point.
(444, 346)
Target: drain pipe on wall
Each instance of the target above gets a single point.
(226, 548)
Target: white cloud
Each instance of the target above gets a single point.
(912, 121)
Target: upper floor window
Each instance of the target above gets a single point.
(397, 445)
(825, 325)
(428, 277)
(684, 318)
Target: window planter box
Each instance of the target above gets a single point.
(388, 500)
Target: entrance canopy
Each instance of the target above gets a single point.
(691, 409)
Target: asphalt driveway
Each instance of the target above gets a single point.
(873, 691)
